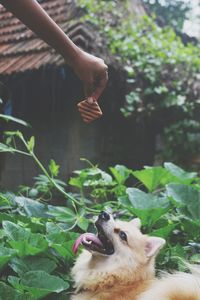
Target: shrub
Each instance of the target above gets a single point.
(36, 238)
(162, 73)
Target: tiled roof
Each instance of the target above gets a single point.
(22, 50)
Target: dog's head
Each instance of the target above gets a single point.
(119, 249)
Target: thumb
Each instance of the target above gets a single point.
(100, 86)
(88, 88)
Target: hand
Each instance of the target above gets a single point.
(92, 71)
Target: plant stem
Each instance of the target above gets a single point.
(47, 174)
(65, 194)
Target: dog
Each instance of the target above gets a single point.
(118, 264)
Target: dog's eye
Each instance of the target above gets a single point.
(123, 236)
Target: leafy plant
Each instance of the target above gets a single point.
(174, 135)
(162, 73)
(36, 238)
(172, 13)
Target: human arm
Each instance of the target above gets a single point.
(90, 69)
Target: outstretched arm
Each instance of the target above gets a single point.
(90, 69)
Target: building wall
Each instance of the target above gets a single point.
(47, 100)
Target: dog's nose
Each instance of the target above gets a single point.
(104, 216)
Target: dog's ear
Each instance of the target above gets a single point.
(136, 222)
(154, 244)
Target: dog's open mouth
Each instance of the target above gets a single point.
(95, 243)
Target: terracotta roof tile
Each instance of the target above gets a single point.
(22, 50)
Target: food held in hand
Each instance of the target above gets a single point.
(89, 110)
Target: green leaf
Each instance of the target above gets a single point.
(54, 168)
(146, 206)
(187, 198)
(83, 223)
(15, 232)
(5, 148)
(8, 293)
(31, 144)
(40, 283)
(164, 232)
(33, 208)
(185, 177)
(25, 242)
(153, 177)
(4, 202)
(120, 173)
(16, 120)
(63, 214)
(35, 263)
(60, 240)
(5, 255)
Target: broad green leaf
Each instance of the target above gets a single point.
(185, 177)
(164, 232)
(120, 173)
(142, 200)
(146, 206)
(16, 120)
(33, 208)
(41, 284)
(61, 241)
(63, 214)
(32, 263)
(34, 245)
(65, 250)
(97, 177)
(83, 223)
(187, 198)
(5, 255)
(8, 293)
(25, 242)
(15, 232)
(153, 177)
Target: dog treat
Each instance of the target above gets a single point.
(89, 110)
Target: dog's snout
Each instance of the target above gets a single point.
(104, 216)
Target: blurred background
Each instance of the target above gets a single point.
(150, 106)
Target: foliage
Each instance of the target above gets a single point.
(171, 12)
(36, 237)
(182, 152)
(162, 72)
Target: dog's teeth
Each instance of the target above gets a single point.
(87, 242)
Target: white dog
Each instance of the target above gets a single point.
(118, 264)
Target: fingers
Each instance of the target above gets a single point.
(89, 110)
(96, 85)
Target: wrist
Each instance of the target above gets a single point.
(71, 54)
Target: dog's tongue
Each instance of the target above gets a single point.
(87, 238)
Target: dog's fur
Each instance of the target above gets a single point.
(128, 274)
